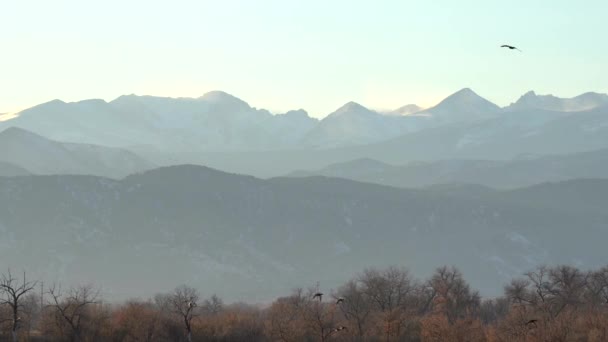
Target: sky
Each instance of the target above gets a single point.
(310, 54)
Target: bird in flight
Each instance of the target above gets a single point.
(319, 295)
(340, 300)
(510, 47)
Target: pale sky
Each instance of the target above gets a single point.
(290, 54)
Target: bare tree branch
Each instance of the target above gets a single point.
(12, 293)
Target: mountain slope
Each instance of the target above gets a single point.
(497, 174)
(88, 121)
(406, 110)
(10, 170)
(216, 121)
(505, 137)
(353, 124)
(246, 238)
(501, 138)
(463, 106)
(43, 156)
(289, 128)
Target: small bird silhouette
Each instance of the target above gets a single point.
(511, 47)
(340, 300)
(319, 295)
(340, 328)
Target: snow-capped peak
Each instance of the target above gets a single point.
(222, 98)
(406, 110)
(464, 105)
(466, 98)
(351, 108)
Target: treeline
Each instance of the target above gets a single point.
(560, 303)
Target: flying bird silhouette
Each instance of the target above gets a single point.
(340, 300)
(532, 321)
(318, 294)
(340, 328)
(510, 47)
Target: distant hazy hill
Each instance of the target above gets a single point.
(246, 238)
(43, 156)
(9, 170)
(498, 174)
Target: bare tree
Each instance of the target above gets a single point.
(13, 293)
(493, 310)
(568, 285)
(137, 321)
(551, 290)
(170, 328)
(283, 317)
(72, 308)
(30, 313)
(213, 305)
(318, 317)
(389, 288)
(517, 292)
(391, 292)
(183, 302)
(452, 295)
(356, 306)
(597, 287)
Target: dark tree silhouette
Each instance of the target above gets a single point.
(183, 302)
(13, 293)
(73, 307)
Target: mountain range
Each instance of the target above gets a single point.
(244, 237)
(215, 121)
(220, 122)
(221, 131)
(495, 191)
(506, 136)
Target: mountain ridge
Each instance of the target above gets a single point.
(506, 174)
(191, 130)
(246, 237)
(40, 155)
